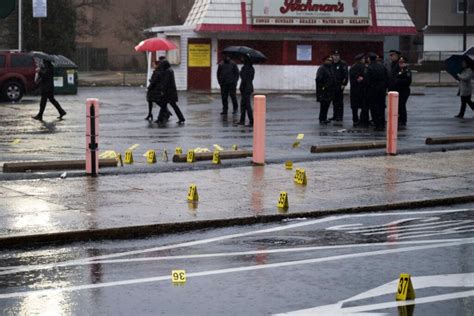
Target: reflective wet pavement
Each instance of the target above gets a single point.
(122, 125)
(56, 205)
(328, 266)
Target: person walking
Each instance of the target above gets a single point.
(465, 86)
(169, 93)
(153, 94)
(247, 74)
(228, 76)
(402, 86)
(45, 79)
(325, 86)
(341, 76)
(358, 91)
(377, 81)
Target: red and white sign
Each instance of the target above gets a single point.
(311, 12)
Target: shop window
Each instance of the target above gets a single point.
(174, 56)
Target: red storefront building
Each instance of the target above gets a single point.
(293, 34)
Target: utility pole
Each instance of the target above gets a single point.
(20, 26)
(464, 42)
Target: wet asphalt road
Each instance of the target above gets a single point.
(123, 125)
(315, 266)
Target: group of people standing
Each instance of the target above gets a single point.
(228, 76)
(162, 91)
(369, 79)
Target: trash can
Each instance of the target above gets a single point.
(65, 75)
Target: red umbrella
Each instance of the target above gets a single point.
(155, 44)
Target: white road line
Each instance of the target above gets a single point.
(373, 227)
(433, 233)
(417, 230)
(210, 240)
(237, 269)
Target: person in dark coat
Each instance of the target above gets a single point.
(358, 91)
(377, 80)
(169, 93)
(247, 74)
(465, 86)
(45, 77)
(153, 93)
(402, 86)
(228, 76)
(393, 69)
(325, 86)
(341, 75)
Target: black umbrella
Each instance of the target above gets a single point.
(454, 64)
(254, 55)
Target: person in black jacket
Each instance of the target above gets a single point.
(325, 86)
(341, 76)
(153, 93)
(377, 81)
(46, 82)
(228, 76)
(402, 85)
(169, 93)
(393, 69)
(247, 74)
(358, 91)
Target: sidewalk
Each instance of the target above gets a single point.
(157, 201)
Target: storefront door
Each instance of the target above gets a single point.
(199, 64)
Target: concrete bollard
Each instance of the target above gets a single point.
(392, 123)
(259, 126)
(92, 137)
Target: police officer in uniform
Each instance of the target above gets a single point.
(341, 75)
(358, 91)
(377, 90)
(402, 86)
(325, 86)
(393, 68)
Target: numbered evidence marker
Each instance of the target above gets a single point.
(178, 276)
(234, 147)
(300, 177)
(193, 195)
(150, 156)
(289, 165)
(191, 156)
(178, 151)
(299, 138)
(128, 157)
(217, 147)
(405, 290)
(283, 201)
(216, 157)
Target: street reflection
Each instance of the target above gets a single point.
(59, 303)
(406, 310)
(257, 182)
(38, 215)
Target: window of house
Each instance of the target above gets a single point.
(461, 6)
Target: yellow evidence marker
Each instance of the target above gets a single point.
(234, 147)
(178, 276)
(191, 157)
(289, 165)
(193, 195)
(178, 151)
(133, 147)
(128, 157)
(109, 154)
(216, 157)
(300, 177)
(150, 156)
(283, 200)
(16, 141)
(217, 147)
(119, 159)
(299, 138)
(405, 290)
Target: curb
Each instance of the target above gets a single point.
(144, 231)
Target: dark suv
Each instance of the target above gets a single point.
(17, 75)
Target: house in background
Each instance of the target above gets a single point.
(443, 34)
(294, 39)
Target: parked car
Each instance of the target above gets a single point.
(17, 75)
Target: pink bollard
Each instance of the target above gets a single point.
(392, 124)
(92, 137)
(259, 126)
